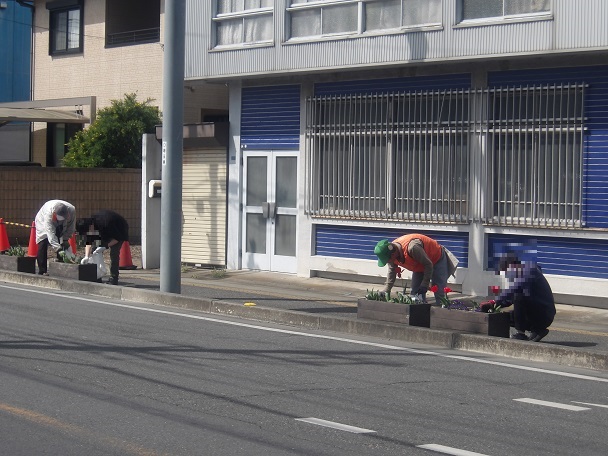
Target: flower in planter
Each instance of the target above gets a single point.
(457, 304)
(373, 295)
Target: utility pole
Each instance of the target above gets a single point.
(172, 146)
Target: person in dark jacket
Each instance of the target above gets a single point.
(112, 230)
(528, 292)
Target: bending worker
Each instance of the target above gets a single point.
(528, 291)
(112, 230)
(55, 225)
(425, 257)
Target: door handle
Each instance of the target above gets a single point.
(269, 210)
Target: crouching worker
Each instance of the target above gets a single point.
(425, 257)
(528, 291)
(111, 229)
(55, 224)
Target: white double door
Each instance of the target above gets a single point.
(270, 211)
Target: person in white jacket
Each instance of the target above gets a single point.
(55, 225)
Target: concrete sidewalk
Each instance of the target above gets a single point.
(577, 338)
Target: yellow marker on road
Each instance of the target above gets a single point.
(249, 304)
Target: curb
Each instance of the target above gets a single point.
(530, 351)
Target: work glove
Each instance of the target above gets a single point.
(99, 250)
(85, 260)
(382, 295)
(486, 306)
(419, 298)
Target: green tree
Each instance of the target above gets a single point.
(114, 139)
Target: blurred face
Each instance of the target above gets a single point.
(514, 271)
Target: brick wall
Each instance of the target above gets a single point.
(23, 190)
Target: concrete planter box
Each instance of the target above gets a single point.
(19, 264)
(409, 314)
(489, 324)
(85, 272)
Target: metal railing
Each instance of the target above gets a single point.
(133, 36)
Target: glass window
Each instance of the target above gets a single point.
(65, 30)
(477, 9)
(321, 18)
(240, 22)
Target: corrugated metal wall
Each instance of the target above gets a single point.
(411, 84)
(574, 25)
(270, 117)
(343, 241)
(204, 207)
(15, 52)
(563, 256)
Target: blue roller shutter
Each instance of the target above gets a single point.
(343, 241)
(562, 256)
(270, 118)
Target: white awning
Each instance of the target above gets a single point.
(40, 115)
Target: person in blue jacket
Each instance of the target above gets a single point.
(528, 291)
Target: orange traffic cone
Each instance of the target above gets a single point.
(32, 249)
(72, 242)
(126, 262)
(4, 244)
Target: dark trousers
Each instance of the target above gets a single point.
(529, 316)
(43, 247)
(115, 259)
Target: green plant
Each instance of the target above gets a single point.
(373, 295)
(114, 139)
(218, 273)
(17, 251)
(404, 299)
(69, 260)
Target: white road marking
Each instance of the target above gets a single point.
(320, 336)
(334, 425)
(591, 404)
(574, 408)
(449, 450)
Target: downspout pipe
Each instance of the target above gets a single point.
(31, 6)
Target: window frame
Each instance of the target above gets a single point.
(65, 7)
(293, 6)
(218, 18)
(509, 18)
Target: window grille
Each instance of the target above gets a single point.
(534, 161)
(400, 156)
(408, 156)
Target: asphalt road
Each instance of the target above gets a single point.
(86, 375)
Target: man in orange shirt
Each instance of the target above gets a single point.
(425, 257)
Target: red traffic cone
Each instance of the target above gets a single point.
(4, 244)
(72, 242)
(126, 262)
(32, 249)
